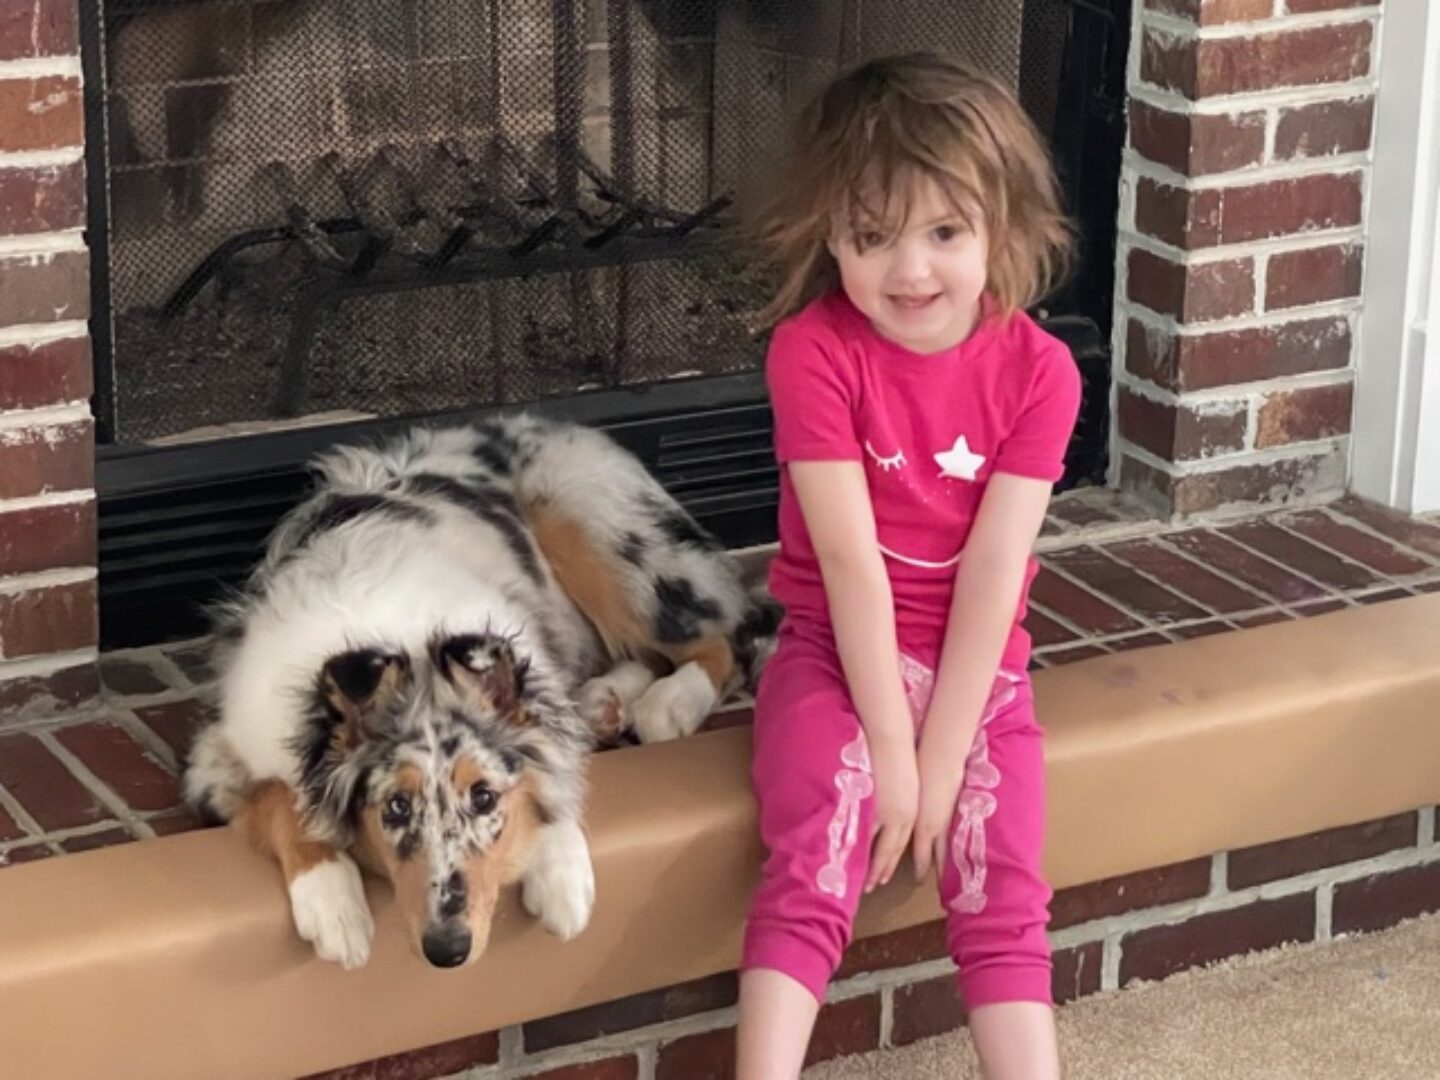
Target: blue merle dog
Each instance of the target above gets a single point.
(434, 643)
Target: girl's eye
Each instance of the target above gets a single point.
(397, 810)
(866, 241)
(946, 233)
(482, 798)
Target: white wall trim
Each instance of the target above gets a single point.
(1397, 398)
(1425, 484)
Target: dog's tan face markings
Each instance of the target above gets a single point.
(470, 783)
(485, 872)
(447, 829)
(402, 810)
(446, 803)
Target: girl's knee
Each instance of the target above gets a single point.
(807, 958)
(1002, 957)
(1006, 979)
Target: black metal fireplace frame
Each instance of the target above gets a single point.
(178, 525)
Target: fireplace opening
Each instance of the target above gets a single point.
(312, 220)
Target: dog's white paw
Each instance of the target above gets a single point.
(600, 707)
(559, 887)
(603, 700)
(330, 910)
(675, 706)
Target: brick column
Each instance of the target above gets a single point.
(1241, 249)
(48, 618)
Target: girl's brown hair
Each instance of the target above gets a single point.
(868, 138)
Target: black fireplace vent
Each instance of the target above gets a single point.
(179, 525)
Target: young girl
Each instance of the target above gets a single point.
(920, 420)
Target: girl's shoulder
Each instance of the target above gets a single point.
(817, 333)
(1029, 353)
(1030, 369)
(1023, 339)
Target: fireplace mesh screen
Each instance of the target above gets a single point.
(397, 207)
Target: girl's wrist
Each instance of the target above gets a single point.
(890, 733)
(946, 742)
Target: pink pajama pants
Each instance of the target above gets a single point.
(811, 773)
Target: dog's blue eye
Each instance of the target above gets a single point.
(397, 810)
(482, 799)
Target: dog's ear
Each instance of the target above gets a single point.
(484, 669)
(359, 685)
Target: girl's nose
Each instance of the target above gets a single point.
(909, 263)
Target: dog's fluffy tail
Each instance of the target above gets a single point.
(755, 638)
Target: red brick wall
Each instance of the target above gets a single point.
(47, 444)
(1241, 248)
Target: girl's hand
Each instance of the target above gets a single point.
(897, 790)
(941, 778)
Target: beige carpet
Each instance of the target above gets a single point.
(1360, 1008)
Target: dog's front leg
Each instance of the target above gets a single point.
(559, 884)
(678, 704)
(327, 898)
(605, 700)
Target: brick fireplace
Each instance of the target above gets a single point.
(1241, 245)
(48, 617)
(1242, 249)
(1244, 223)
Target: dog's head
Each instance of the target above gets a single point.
(437, 770)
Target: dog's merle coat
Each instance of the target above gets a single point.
(431, 646)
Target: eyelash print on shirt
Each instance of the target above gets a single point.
(894, 461)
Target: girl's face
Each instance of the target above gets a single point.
(922, 288)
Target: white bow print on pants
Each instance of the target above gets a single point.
(855, 783)
(976, 803)
(967, 843)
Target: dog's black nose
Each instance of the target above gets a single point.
(446, 947)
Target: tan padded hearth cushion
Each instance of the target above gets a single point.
(176, 957)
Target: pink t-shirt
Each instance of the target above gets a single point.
(930, 430)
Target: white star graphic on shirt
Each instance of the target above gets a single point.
(958, 462)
